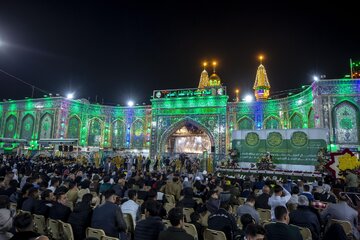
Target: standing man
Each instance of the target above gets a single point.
(277, 200)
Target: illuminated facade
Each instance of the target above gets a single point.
(330, 104)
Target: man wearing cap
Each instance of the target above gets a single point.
(303, 216)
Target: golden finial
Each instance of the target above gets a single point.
(214, 65)
(204, 65)
(261, 57)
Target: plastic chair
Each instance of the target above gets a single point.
(168, 206)
(170, 198)
(214, 235)
(346, 225)
(166, 223)
(129, 223)
(54, 229)
(13, 206)
(108, 238)
(191, 229)
(241, 200)
(265, 215)
(139, 201)
(305, 233)
(66, 231)
(39, 224)
(187, 212)
(95, 233)
(204, 218)
(198, 200)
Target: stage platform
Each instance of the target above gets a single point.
(283, 173)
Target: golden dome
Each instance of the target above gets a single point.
(214, 80)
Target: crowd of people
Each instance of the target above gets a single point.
(98, 197)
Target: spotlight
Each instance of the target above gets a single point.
(130, 103)
(70, 96)
(316, 78)
(248, 98)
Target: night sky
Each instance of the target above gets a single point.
(120, 50)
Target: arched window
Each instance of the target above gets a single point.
(245, 124)
(272, 123)
(73, 130)
(118, 133)
(346, 123)
(94, 137)
(10, 127)
(296, 121)
(27, 127)
(137, 134)
(45, 130)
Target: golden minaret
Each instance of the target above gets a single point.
(261, 85)
(204, 77)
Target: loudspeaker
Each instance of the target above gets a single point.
(66, 148)
(60, 148)
(71, 148)
(212, 149)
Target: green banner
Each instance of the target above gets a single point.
(285, 146)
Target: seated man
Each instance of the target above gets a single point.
(152, 225)
(281, 230)
(59, 211)
(254, 232)
(23, 224)
(176, 231)
(223, 221)
(109, 217)
(248, 207)
(304, 216)
(342, 211)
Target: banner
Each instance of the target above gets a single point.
(290, 146)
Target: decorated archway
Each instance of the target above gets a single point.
(187, 136)
(346, 121)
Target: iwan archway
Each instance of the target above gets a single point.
(186, 136)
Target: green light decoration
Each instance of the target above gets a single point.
(73, 127)
(118, 133)
(296, 121)
(245, 124)
(46, 122)
(95, 132)
(27, 127)
(137, 133)
(10, 127)
(272, 123)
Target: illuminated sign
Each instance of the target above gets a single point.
(190, 92)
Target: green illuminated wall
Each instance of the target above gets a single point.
(330, 104)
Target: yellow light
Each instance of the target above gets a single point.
(261, 57)
(237, 90)
(204, 64)
(214, 63)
